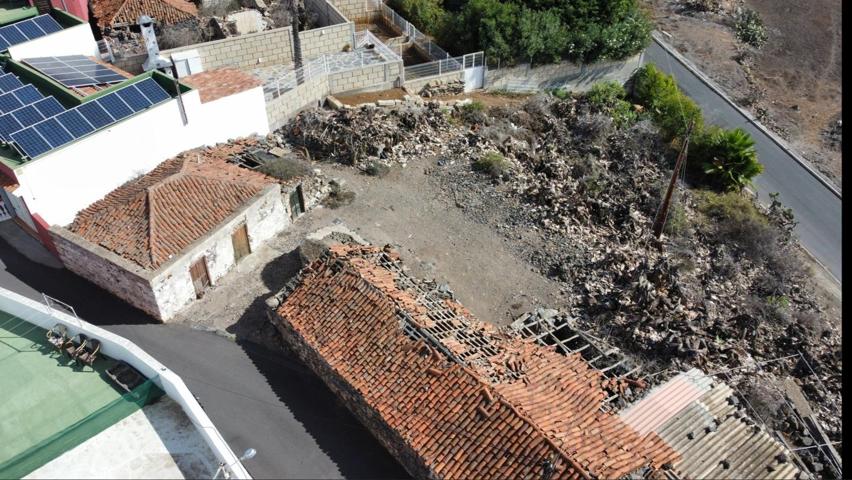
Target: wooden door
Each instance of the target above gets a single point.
(200, 276)
(241, 243)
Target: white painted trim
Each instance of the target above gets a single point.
(120, 348)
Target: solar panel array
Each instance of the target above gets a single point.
(53, 132)
(27, 30)
(75, 70)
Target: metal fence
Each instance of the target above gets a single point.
(313, 69)
(447, 65)
(406, 28)
(365, 37)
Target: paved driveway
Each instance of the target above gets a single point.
(817, 210)
(257, 398)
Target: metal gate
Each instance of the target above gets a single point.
(474, 71)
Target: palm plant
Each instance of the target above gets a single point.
(730, 159)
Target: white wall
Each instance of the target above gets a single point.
(76, 40)
(172, 285)
(120, 348)
(73, 177)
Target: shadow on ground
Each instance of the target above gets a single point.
(91, 302)
(338, 433)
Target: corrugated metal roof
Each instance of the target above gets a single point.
(709, 431)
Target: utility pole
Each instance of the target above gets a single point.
(297, 43)
(663, 212)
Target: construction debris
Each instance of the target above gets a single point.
(576, 195)
(453, 87)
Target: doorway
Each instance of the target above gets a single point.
(297, 202)
(240, 241)
(200, 276)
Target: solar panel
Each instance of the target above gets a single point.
(30, 30)
(151, 89)
(9, 102)
(47, 24)
(95, 114)
(53, 132)
(134, 98)
(28, 94)
(9, 82)
(26, 115)
(27, 30)
(114, 105)
(8, 125)
(30, 143)
(45, 135)
(75, 123)
(49, 107)
(75, 70)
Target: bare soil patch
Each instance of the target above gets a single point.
(372, 97)
(793, 84)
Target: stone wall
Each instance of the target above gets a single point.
(114, 274)
(264, 217)
(417, 84)
(354, 401)
(331, 39)
(309, 94)
(369, 78)
(270, 47)
(565, 75)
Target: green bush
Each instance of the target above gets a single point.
(750, 29)
(608, 97)
(670, 108)
(491, 163)
(727, 158)
(473, 112)
(427, 15)
(736, 221)
(542, 37)
(560, 93)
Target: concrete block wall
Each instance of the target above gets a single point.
(270, 47)
(131, 64)
(308, 94)
(565, 75)
(331, 39)
(369, 78)
(353, 9)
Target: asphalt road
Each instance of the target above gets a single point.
(256, 398)
(816, 208)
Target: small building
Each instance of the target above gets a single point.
(162, 239)
(448, 395)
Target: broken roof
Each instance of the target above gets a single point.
(152, 218)
(477, 403)
(122, 12)
(222, 82)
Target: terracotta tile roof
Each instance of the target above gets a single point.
(156, 216)
(481, 403)
(112, 12)
(215, 84)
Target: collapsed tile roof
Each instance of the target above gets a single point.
(221, 82)
(157, 215)
(122, 12)
(476, 403)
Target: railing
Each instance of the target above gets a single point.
(422, 40)
(435, 68)
(365, 37)
(313, 69)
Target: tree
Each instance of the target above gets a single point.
(727, 158)
(542, 36)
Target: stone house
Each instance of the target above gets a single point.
(161, 240)
(450, 396)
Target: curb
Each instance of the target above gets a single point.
(772, 136)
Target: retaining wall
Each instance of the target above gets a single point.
(416, 85)
(351, 9)
(368, 78)
(270, 47)
(565, 75)
(331, 39)
(308, 94)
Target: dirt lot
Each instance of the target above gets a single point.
(795, 78)
(408, 210)
(371, 97)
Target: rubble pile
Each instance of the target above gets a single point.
(367, 134)
(577, 200)
(453, 87)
